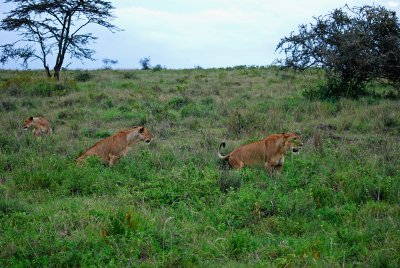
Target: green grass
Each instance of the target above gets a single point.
(174, 203)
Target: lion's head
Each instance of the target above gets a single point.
(145, 135)
(27, 123)
(293, 142)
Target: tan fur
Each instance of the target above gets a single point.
(41, 125)
(111, 149)
(269, 152)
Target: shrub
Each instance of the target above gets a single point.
(229, 180)
(157, 68)
(239, 122)
(129, 75)
(7, 106)
(178, 102)
(83, 76)
(335, 88)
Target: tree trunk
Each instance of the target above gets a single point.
(57, 73)
(47, 71)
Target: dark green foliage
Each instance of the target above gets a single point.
(335, 88)
(83, 76)
(157, 68)
(145, 63)
(354, 45)
(229, 181)
(179, 102)
(7, 106)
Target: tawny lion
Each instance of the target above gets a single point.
(111, 149)
(41, 125)
(269, 152)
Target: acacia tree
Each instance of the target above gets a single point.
(145, 63)
(53, 28)
(354, 46)
(108, 63)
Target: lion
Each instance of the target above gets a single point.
(41, 125)
(268, 152)
(111, 149)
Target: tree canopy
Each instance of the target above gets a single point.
(354, 46)
(53, 28)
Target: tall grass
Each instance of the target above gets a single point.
(174, 203)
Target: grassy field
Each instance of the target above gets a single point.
(173, 203)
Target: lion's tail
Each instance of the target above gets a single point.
(223, 157)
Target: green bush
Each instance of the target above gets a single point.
(229, 180)
(178, 102)
(83, 76)
(334, 88)
(7, 106)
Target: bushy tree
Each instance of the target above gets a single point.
(53, 27)
(354, 46)
(145, 63)
(158, 67)
(108, 63)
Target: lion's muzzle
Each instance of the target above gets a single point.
(297, 149)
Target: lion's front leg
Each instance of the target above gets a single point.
(268, 168)
(36, 132)
(278, 169)
(112, 159)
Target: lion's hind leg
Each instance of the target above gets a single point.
(236, 163)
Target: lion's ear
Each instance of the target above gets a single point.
(31, 118)
(141, 129)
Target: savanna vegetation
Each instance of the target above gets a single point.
(353, 45)
(53, 31)
(174, 203)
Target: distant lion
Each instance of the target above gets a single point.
(41, 125)
(269, 152)
(111, 149)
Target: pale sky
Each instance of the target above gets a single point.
(208, 33)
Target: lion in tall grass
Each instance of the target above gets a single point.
(111, 149)
(268, 152)
(40, 125)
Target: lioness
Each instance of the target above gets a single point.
(40, 125)
(269, 152)
(111, 149)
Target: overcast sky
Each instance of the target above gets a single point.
(208, 33)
